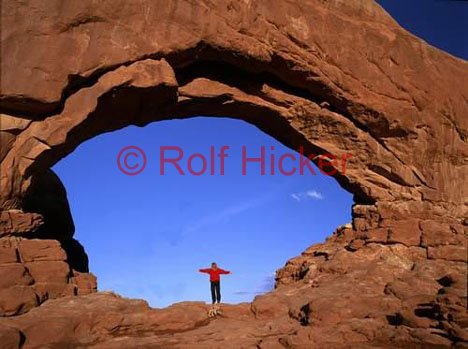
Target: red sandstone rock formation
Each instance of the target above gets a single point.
(331, 76)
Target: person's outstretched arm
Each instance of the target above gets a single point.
(222, 271)
(204, 270)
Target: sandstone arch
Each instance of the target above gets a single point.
(332, 76)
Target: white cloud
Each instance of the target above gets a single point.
(314, 194)
(296, 197)
(309, 194)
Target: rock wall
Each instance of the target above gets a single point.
(332, 77)
(34, 268)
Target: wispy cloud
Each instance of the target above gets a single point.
(175, 234)
(223, 215)
(305, 195)
(267, 284)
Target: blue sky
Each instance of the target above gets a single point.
(147, 235)
(441, 23)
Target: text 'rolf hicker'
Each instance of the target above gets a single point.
(132, 160)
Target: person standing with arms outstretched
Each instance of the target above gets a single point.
(215, 273)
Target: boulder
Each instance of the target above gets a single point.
(17, 300)
(32, 250)
(49, 271)
(8, 251)
(16, 222)
(14, 274)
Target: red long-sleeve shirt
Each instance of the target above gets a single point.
(214, 274)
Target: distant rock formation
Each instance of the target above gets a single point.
(330, 76)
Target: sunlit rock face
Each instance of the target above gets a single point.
(332, 77)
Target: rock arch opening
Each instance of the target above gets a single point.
(150, 90)
(147, 235)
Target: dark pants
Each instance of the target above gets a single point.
(215, 292)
